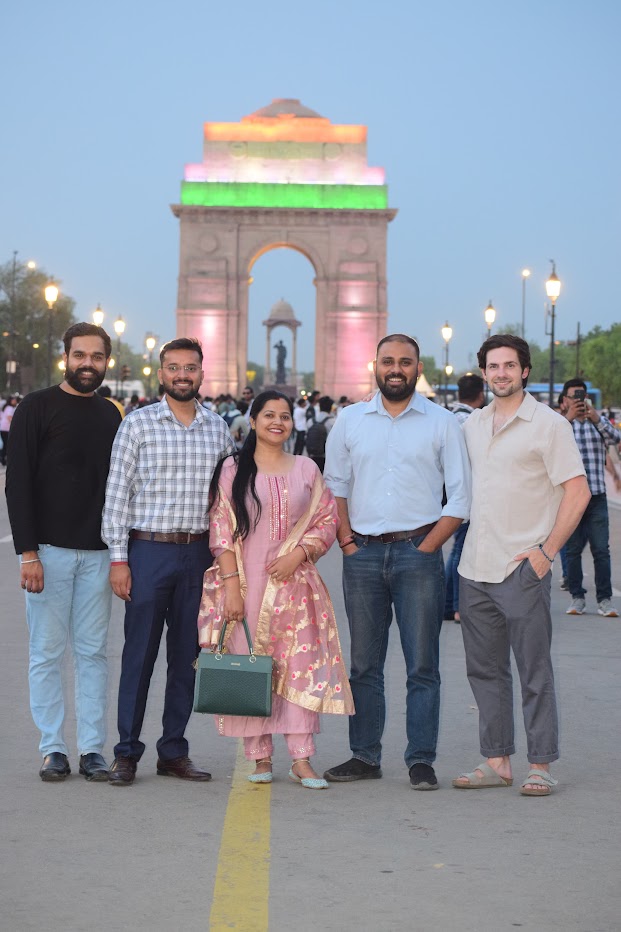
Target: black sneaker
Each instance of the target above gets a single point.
(353, 769)
(423, 777)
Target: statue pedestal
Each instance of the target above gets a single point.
(289, 390)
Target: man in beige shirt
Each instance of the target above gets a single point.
(528, 493)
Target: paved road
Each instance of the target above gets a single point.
(372, 855)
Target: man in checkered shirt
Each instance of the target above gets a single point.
(592, 432)
(155, 523)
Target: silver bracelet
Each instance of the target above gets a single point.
(230, 575)
(22, 562)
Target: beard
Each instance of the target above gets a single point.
(405, 389)
(503, 391)
(181, 392)
(84, 379)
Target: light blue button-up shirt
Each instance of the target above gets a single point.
(393, 470)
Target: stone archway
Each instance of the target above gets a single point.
(284, 177)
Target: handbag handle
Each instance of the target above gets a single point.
(220, 646)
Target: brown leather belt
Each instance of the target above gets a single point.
(174, 537)
(395, 536)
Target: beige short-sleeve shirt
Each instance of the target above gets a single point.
(516, 485)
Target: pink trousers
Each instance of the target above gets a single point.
(260, 746)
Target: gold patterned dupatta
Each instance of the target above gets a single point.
(296, 624)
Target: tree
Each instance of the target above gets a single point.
(24, 321)
(432, 373)
(255, 374)
(599, 362)
(308, 381)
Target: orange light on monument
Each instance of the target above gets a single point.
(286, 130)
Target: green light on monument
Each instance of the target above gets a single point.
(318, 196)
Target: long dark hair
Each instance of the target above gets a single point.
(245, 476)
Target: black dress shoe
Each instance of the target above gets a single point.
(94, 767)
(183, 768)
(423, 777)
(55, 767)
(123, 771)
(353, 769)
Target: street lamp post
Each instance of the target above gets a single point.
(51, 296)
(98, 316)
(553, 290)
(119, 329)
(447, 333)
(11, 366)
(525, 275)
(150, 342)
(448, 371)
(490, 316)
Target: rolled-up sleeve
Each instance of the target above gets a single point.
(338, 469)
(457, 475)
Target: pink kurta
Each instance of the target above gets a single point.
(284, 500)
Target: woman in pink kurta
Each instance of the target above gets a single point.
(265, 572)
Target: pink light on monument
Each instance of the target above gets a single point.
(360, 346)
(356, 294)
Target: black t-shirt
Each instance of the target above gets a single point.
(57, 469)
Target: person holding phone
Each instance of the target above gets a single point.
(592, 432)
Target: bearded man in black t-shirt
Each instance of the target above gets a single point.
(55, 484)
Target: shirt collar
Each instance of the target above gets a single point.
(164, 412)
(526, 410)
(376, 405)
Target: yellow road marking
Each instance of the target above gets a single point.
(241, 890)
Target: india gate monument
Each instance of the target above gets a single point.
(284, 176)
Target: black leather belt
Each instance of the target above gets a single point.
(395, 536)
(174, 537)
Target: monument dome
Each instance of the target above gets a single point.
(285, 107)
(281, 311)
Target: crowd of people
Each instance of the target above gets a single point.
(200, 512)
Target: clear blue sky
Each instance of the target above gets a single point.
(497, 124)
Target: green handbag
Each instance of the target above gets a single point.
(233, 684)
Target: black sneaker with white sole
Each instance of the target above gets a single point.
(423, 777)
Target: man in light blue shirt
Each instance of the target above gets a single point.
(389, 462)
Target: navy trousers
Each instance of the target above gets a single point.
(167, 582)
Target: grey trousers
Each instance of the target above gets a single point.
(495, 619)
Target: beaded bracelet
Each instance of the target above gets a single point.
(230, 575)
(545, 554)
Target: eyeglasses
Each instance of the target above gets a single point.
(173, 367)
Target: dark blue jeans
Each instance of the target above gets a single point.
(167, 584)
(451, 603)
(376, 578)
(593, 529)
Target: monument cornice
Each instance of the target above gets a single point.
(265, 216)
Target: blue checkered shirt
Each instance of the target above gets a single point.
(592, 440)
(160, 472)
(462, 411)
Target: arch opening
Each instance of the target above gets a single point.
(282, 272)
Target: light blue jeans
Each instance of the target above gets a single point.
(74, 605)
